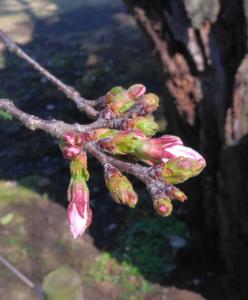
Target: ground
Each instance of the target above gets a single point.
(35, 238)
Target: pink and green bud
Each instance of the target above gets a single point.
(71, 144)
(150, 103)
(163, 206)
(120, 187)
(73, 139)
(166, 148)
(176, 194)
(120, 100)
(110, 96)
(125, 142)
(78, 212)
(121, 104)
(146, 125)
(101, 133)
(136, 91)
(69, 138)
(71, 152)
(177, 170)
(145, 105)
(78, 167)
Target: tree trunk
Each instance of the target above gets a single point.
(201, 46)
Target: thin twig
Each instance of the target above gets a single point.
(54, 128)
(57, 128)
(39, 292)
(81, 103)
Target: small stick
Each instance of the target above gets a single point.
(38, 290)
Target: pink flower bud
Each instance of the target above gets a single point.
(166, 148)
(163, 206)
(71, 152)
(78, 212)
(69, 138)
(135, 91)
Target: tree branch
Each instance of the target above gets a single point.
(81, 103)
(55, 128)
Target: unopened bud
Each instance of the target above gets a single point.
(78, 167)
(135, 91)
(177, 194)
(69, 138)
(163, 206)
(72, 138)
(147, 125)
(125, 142)
(121, 105)
(101, 133)
(179, 169)
(167, 147)
(150, 103)
(71, 152)
(71, 144)
(78, 212)
(110, 96)
(120, 187)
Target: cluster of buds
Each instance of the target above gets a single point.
(168, 160)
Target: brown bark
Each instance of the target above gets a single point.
(201, 46)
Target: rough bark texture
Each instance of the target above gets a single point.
(201, 46)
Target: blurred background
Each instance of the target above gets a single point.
(192, 53)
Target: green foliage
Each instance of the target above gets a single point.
(124, 276)
(145, 244)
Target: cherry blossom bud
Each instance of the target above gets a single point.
(179, 169)
(177, 194)
(135, 91)
(147, 125)
(120, 101)
(163, 206)
(78, 167)
(69, 138)
(101, 133)
(73, 139)
(119, 186)
(145, 105)
(121, 104)
(71, 152)
(110, 96)
(125, 142)
(165, 148)
(78, 212)
(150, 102)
